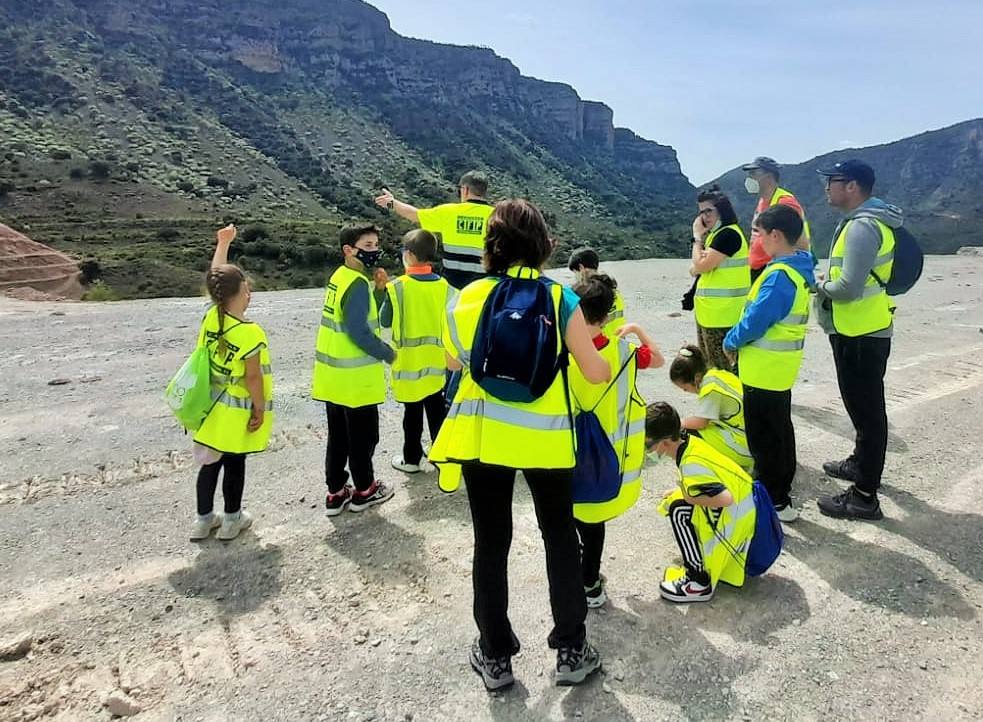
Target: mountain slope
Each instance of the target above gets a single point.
(133, 128)
(936, 177)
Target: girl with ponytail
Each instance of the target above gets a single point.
(241, 418)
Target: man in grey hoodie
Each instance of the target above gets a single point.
(854, 309)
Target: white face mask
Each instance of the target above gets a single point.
(752, 185)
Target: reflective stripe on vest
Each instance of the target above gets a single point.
(616, 317)
(720, 292)
(343, 373)
(418, 307)
(772, 362)
(724, 541)
(480, 427)
(727, 434)
(871, 312)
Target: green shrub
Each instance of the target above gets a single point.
(99, 291)
(186, 186)
(60, 154)
(254, 233)
(100, 170)
(76, 173)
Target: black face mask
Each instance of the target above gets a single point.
(369, 258)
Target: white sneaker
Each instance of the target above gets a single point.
(232, 527)
(787, 514)
(400, 465)
(203, 527)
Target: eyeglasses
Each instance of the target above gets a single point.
(706, 211)
(838, 179)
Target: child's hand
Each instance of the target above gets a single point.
(669, 492)
(381, 278)
(256, 417)
(226, 235)
(626, 329)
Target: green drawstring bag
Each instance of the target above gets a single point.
(189, 393)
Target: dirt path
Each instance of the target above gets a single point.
(369, 617)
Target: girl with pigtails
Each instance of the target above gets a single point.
(241, 417)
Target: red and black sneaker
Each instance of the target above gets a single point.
(336, 503)
(684, 590)
(378, 493)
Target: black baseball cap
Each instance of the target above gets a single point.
(851, 170)
(762, 162)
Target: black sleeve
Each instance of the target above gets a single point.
(728, 242)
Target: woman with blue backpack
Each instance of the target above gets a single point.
(609, 420)
(724, 523)
(510, 333)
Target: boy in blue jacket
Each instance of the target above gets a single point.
(768, 343)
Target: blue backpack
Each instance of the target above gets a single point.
(597, 475)
(514, 356)
(768, 539)
(908, 263)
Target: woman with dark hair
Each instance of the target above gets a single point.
(723, 276)
(491, 438)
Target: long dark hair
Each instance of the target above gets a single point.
(720, 201)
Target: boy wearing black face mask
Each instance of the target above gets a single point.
(349, 376)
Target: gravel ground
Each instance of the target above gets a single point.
(107, 607)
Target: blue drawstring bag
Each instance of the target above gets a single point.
(766, 544)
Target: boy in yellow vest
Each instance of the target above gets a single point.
(584, 263)
(621, 412)
(415, 310)
(711, 511)
(770, 338)
(349, 376)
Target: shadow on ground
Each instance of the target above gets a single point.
(384, 552)
(238, 577)
(840, 425)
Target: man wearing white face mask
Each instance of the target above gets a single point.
(763, 174)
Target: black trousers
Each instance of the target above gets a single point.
(771, 439)
(353, 434)
(436, 409)
(591, 550)
(490, 497)
(861, 363)
(233, 482)
(688, 541)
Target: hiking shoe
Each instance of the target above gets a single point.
(336, 503)
(495, 672)
(575, 664)
(684, 590)
(378, 493)
(204, 526)
(233, 524)
(846, 469)
(399, 465)
(851, 504)
(787, 514)
(596, 595)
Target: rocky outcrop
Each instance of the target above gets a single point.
(27, 264)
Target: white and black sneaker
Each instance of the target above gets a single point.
(684, 590)
(575, 664)
(336, 503)
(400, 465)
(495, 672)
(596, 594)
(378, 493)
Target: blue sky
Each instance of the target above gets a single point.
(725, 80)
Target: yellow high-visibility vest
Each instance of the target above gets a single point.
(343, 373)
(727, 435)
(873, 311)
(726, 540)
(481, 427)
(772, 362)
(419, 309)
(224, 429)
(616, 317)
(720, 293)
(462, 228)
(621, 413)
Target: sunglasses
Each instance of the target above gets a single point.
(838, 179)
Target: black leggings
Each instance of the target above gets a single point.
(490, 498)
(233, 482)
(591, 549)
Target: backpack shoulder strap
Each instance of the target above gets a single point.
(614, 380)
